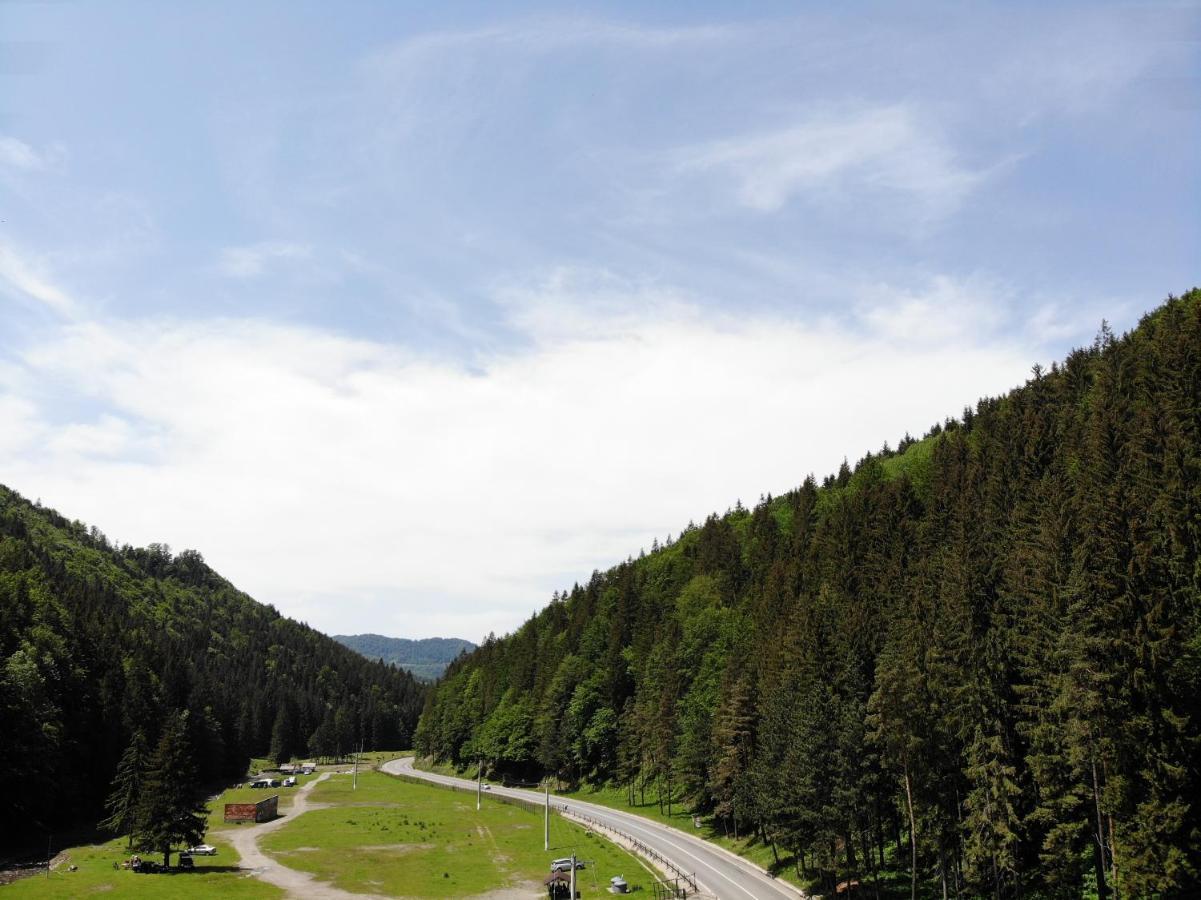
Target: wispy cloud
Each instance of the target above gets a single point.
(828, 155)
(18, 155)
(25, 280)
(255, 259)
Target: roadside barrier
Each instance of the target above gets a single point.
(642, 848)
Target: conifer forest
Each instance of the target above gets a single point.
(974, 657)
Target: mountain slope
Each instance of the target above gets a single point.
(426, 658)
(98, 642)
(978, 656)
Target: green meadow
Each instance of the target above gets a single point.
(214, 876)
(396, 837)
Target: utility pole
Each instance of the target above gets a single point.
(546, 821)
(354, 781)
(572, 876)
(479, 783)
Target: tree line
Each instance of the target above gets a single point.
(104, 649)
(975, 659)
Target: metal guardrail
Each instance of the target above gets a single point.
(642, 848)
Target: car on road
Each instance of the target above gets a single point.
(203, 850)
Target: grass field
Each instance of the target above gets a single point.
(214, 876)
(395, 837)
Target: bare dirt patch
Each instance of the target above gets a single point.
(396, 848)
(523, 891)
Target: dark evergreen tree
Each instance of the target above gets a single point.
(172, 810)
(125, 801)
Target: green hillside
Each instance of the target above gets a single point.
(426, 658)
(972, 663)
(98, 642)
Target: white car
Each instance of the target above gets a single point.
(203, 850)
(290, 781)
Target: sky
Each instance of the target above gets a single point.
(407, 315)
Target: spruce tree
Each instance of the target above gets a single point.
(172, 809)
(124, 801)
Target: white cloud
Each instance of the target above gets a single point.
(18, 154)
(828, 155)
(944, 310)
(255, 259)
(26, 280)
(358, 487)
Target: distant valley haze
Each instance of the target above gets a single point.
(410, 318)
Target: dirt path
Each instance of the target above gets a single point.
(297, 884)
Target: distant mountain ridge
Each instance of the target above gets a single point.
(425, 658)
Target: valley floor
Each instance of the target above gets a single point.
(388, 837)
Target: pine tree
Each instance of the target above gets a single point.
(124, 802)
(172, 809)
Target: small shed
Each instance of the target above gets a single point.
(263, 811)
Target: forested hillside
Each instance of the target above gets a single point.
(99, 643)
(426, 658)
(977, 655)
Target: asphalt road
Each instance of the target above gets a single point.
(718, 871)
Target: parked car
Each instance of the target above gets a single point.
(564, 864)
(203, 850)
(290, 781)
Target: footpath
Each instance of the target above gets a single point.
(300, 885)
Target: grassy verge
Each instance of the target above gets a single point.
(425, 764)
(214, 876)
(392, 836)
(893, 880)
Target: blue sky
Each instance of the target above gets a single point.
(344, 296)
